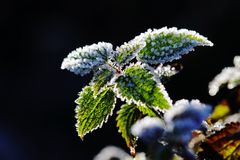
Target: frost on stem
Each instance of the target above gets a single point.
(83, 60)
(229, 76)
(183, 118)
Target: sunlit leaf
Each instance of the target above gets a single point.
(127, 116)
(138, 85)
(168, 44)
(92, 112)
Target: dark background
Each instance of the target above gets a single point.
(37, 97)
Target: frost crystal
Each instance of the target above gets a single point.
(165, 71)
(148, 129)
(184, 117)
(229, 76)
(83, 60)
(168, 44)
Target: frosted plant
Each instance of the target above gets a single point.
(174, 134)
(149, 129)
(130, 73)
(229, 76)
(111, 152)
(185, 117)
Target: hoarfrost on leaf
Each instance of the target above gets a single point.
(126, 52)
(92, 112)
(101, 79)
(127, 116)
(229, 76)
(164, 72)
(83, 60)
(168, 44)
(139, 84)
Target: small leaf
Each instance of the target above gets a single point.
(92, 112)
(83, 60)
(100, 79)
(168, 44)
(127, 116)
(126, 52)
(139, 85)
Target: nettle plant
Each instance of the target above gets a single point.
(135, 73)
(187, 131)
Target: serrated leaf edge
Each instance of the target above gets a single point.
(139, 103)
(101, 124)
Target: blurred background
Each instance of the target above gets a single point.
(37, 97)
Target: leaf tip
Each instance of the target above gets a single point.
(82, 137)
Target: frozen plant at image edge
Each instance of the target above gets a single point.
(229, 76)
(133, 72)
(174, 133)
(110, 152)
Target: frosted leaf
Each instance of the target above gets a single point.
(139, 85)
(229, 76)
(92, 112)
(127, 116)
(101, 78)
(168, 44)
(126, 52)
(149, 129)
(83, 60)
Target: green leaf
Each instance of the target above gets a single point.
(92, 112)
(126, 52)
(167, 44)
(147, 111)
(127, 116)
(100, 79)
(139, 85)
